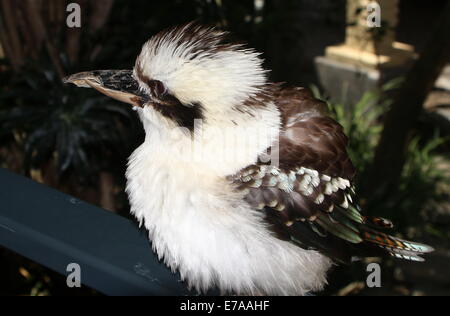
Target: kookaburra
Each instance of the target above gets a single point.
(242, 184)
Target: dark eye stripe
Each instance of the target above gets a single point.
(183, 115)
(157, 88)
(168, 105)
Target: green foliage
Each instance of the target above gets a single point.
(421, 177)
(52, 121)
(419, 187)
(412, 207)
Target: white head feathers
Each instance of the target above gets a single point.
(198, 66)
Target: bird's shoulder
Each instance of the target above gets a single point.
(309, 137)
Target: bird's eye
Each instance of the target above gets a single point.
(157, 87)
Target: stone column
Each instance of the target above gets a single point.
(370, 54)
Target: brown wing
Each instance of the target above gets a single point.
(310, 138)
(308, 197)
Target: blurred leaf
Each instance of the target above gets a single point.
(420, 177)
(60, 121)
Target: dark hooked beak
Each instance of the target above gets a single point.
(117, 84)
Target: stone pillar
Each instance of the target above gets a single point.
(369, 56)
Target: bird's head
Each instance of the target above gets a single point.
(182, 74)
(190, 81)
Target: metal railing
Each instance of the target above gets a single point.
(55, 229)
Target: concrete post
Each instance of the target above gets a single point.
(369, 56)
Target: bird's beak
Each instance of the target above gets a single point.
(117, 84)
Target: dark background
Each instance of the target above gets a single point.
(78, 142)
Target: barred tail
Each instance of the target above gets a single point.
(397, 247)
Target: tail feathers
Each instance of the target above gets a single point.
(405, 254)
(378, 222)
(397, 247)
